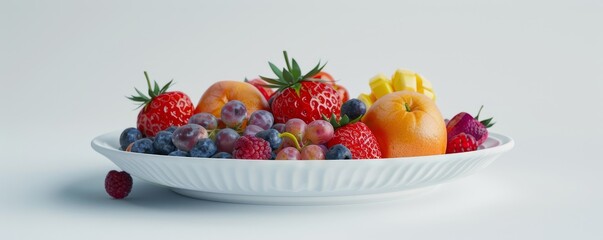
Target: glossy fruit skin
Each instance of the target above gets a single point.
(251, 130)
(318, 132)
(218, 94)
(118, 184)
(165, 110)
(401, 133)
(233, 113)
(185, 137)
(144, 145)
(250, 147)
(297, 127)
(225, 139)
(288, 153)
(272, 136)
(128, 136)
(204, 148)
(312, 152)
(315, 99)
(163, 144)
(206, 120)
(329, 80)
(353, 108)
(465, 123)
(261, 118)
(358, 139)
(259, 84)
(462, 142)
(338, 152)
(179, 153)
(344, 95)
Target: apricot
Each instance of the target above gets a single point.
(222, 92)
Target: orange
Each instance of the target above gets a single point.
(221, 92)
(407, 124)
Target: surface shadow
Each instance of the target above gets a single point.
(85, 192)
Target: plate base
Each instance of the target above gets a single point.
(303, 200)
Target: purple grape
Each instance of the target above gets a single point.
(185, 137)
(251, 130)
(288, 153)
(206, 120)
(233, 113)
(318, 132)
(312, 152)
(261, 118)
(324, 148)
(225, 139)
(280, 127)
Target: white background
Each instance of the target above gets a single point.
(65, 67)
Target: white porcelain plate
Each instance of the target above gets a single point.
(301, 182)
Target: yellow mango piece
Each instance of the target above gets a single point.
(366, 99)
(423, 84)
(429, 94)
(404, 80)
(380, 86)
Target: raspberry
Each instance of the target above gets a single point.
(461, 143)
(118, 184)
(250, 147)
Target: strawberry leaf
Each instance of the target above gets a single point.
(276, 71)
(288, 77)
(296, 71)
(314, 71)
(271, 80)
(165, 88)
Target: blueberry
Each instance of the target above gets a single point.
(204, 148)
(128, 136)
(272, 155)
(354, 108)
(170, 129)
(222, 155)
(338, 151)
(179, 153)
(272, 136)
(144, 145)
(163, 143)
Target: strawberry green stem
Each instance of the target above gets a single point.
(292, 137)
(146, 75)
(287, 60)
(478, 112)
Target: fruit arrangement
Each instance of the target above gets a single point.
(297, 115)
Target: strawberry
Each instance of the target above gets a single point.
(161, 109)
(299, 95)
(259, 84)
(356, 136)
(344, 96)
(461, 143)
(465, 123)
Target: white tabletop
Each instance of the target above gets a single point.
(65, 68)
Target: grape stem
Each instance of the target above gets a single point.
(292, 137)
